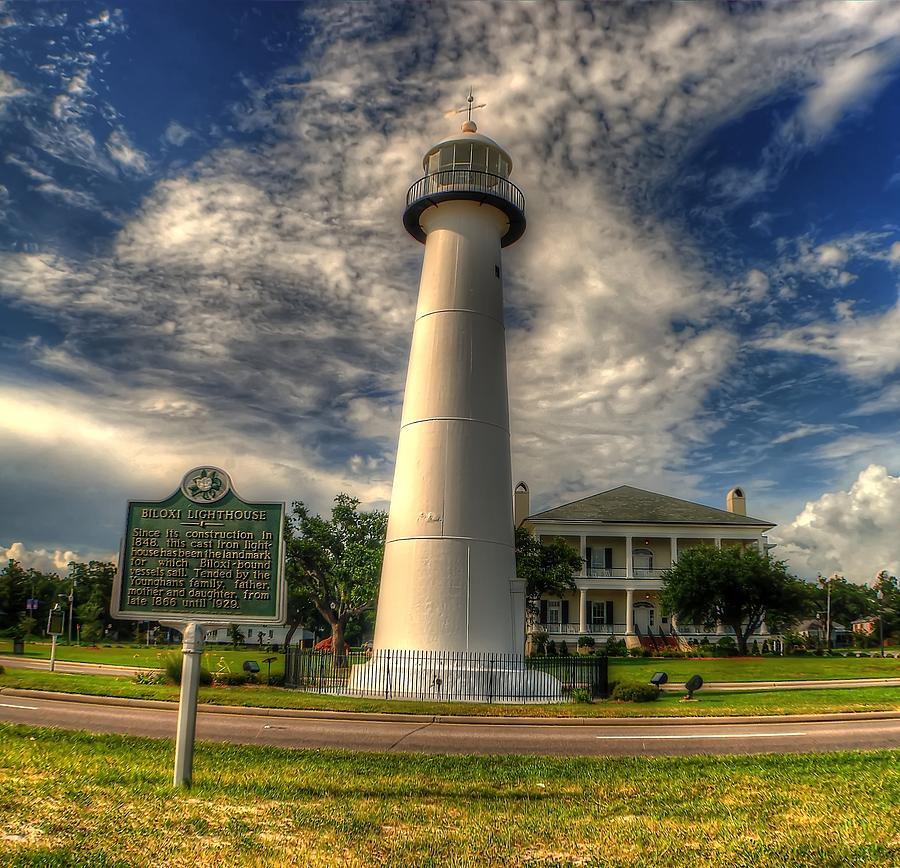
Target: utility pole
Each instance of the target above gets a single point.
(71, 600)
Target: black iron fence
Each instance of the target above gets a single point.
(447, 676)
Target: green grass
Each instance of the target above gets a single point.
(73, 799)
(774, 702)
(144, 657)
(679, 669)
(805, 668)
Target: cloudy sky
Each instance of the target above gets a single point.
(202, 257)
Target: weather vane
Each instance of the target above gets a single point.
(468, 109)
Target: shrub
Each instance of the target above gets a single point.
(754, 650)
(615, 648)
(631, 692)
(232, 679)
(581, 694)
(636, 652)
(563, 648)
(586, 642)
(151, 677)
(173, 666)
(551, 648)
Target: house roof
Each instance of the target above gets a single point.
(627, 505)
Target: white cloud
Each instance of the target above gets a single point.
(851, 532)
(864, 347)
(176, 134)
(128, 157)
(803, 431)
(10, 88)
(45, 560)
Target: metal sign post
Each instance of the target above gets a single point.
(201, 558)
(55, 628)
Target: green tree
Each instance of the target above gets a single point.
(887, 602)
(734, 586)
(336, 562)
(548, 570)
(93, 592)
(849, 600)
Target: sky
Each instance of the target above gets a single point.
(202, 258)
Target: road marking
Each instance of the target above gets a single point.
(710, 735)
(10, 705)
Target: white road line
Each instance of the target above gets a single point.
(710, 735)
(10, 705)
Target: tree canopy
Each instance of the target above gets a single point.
(548, 569)
(335, 563)
(734, 586)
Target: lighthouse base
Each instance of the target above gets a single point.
(451, 676)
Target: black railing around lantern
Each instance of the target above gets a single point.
(469, 184)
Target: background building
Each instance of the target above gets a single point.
(627, 538)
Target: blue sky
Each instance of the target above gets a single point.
(202, 257)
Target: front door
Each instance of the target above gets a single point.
(645, 617)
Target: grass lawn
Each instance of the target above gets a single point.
(640, 669)
(855, 699)
(756, 668)
(142, 656)
(72, 799)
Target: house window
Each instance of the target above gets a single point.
(554, 611)
(643, 559)
(598, 612)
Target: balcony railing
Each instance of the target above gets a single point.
(593, 629)
(466, 184)
(622, 573)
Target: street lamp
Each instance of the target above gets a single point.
(826, 585)
(880, 580)
(71, 597)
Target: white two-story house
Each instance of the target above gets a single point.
(627, 538)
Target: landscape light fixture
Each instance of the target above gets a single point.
(695, 682)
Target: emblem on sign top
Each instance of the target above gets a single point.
(205, 484)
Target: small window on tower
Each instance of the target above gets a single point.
(479, 157)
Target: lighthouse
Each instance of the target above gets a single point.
(448, 581)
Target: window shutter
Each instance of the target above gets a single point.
(565, 612)
(588, 560)
(609, 612)
(608, 558)
(587, 613)
(543, 611)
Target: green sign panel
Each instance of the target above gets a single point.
(56, 621)
(204, 554)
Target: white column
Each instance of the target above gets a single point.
(673, 550)
(584, 563)
(517, 614)
(629, 567)
(718, 542)
(582, 602)
(629, 608)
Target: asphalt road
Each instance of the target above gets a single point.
(602, 739)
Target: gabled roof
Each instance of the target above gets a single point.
(627, 505)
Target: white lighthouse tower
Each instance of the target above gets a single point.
(448, 581)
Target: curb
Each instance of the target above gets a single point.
(469, 720)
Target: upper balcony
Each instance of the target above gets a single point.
(477, 186)
(466, 166)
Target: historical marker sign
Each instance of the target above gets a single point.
(204, 554)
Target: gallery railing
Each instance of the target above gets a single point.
(488, 677)
(468, 180)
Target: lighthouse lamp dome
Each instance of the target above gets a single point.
(468, 150)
